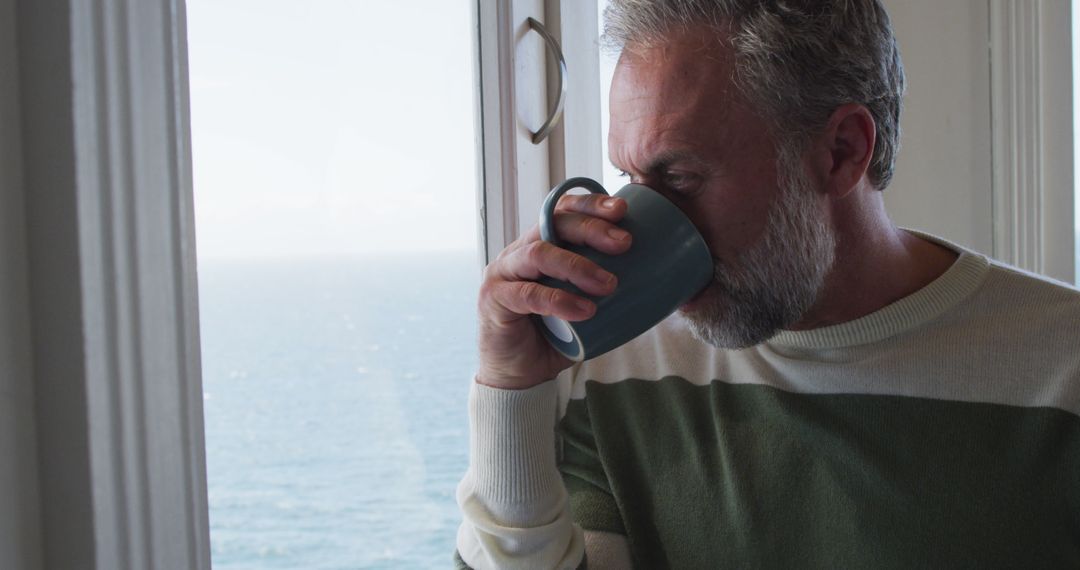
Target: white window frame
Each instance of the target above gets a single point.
(106, 183)
(106, 180)
(20, 537)
(1032, 126)
(517, 89)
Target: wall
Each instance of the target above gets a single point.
(20, 542)
(944, 170)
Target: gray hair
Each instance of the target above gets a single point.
(797, 61)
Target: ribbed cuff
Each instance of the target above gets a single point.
(512, 446)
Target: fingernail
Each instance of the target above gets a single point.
(610, 203)
(583, 305)
(617, 234)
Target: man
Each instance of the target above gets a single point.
(845, 394)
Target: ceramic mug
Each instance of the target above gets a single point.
(667, 264)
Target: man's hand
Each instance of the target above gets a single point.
(513, 353)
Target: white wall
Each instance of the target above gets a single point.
(944, 170)
(20, 543)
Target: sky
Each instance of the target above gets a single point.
(332, 127)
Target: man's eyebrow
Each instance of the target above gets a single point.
(663, 160)
(666, 158)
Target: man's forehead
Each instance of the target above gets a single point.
(678, 101)
(671, 89)
(650, 141)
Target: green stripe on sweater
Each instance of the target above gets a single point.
(748, 476)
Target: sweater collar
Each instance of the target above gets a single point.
(949, 289)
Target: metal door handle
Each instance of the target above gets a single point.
(556, 114)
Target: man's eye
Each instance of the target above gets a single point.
(680, 181)
(624, 174)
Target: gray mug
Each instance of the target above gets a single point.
(667, 264)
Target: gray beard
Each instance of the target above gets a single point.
(775, 282)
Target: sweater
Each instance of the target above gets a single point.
(941, 431)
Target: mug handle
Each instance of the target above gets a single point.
(547, 211)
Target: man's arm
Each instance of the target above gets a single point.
(516, 508)
(606, 550)
(514, 503)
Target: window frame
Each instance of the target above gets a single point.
(1032, 136)
(517, 87)
(113, 297)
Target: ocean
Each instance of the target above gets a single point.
(335, 394)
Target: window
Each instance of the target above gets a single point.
(612, 181)
(334, 175)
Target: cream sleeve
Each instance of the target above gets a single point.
(515, 507)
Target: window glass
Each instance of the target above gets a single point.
(333, 150)
(612, 181)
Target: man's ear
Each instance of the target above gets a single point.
(843, 151)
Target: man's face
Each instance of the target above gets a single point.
(679, 126)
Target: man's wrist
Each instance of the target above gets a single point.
(512, 446)
(507, 382)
